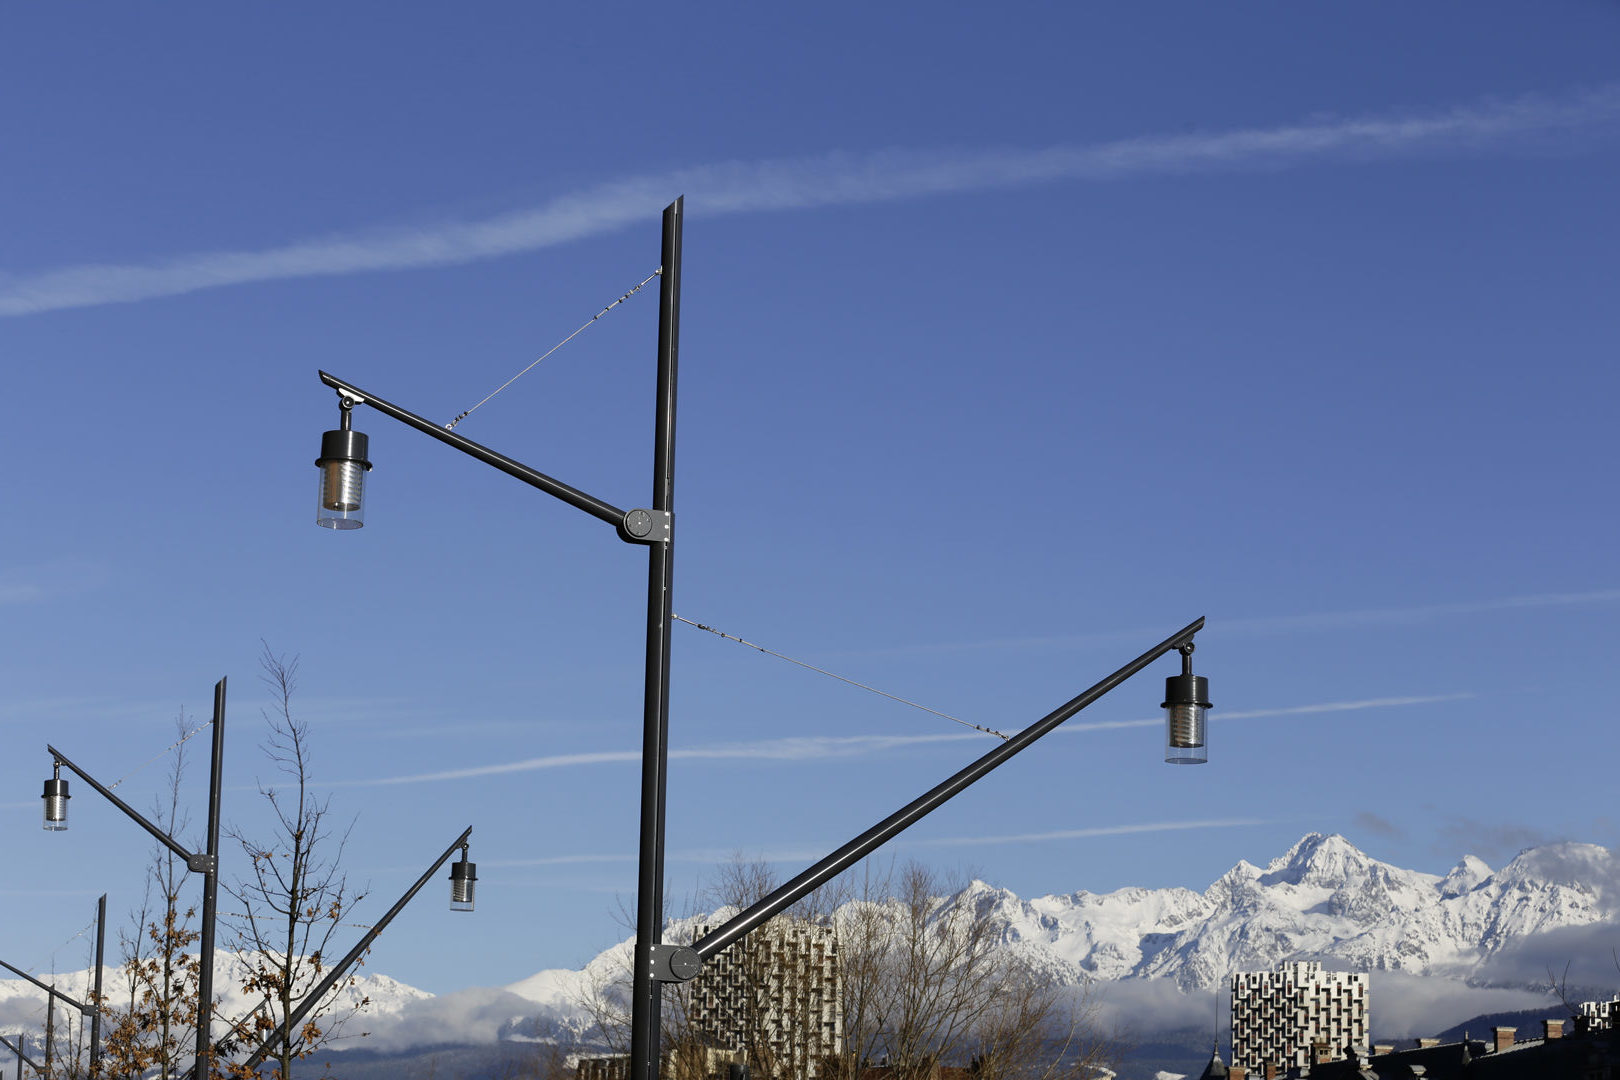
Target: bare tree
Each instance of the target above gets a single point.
(928, 981)
(295, 896)
(151, 1032)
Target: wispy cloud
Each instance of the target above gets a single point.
(840, 747)
(828, 180)
(49, 581)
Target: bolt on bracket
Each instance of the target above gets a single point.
(675, 963)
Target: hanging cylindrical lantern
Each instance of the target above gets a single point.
(343, 467)
(463, 876)
(1186, 698)
(56, 801)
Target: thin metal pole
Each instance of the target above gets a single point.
(645, 991)
(95, 1017)
(883, 831)
(205, 976)
(50, 1030)
(313, 998)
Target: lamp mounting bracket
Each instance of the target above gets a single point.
(643, 526)
(349, 398)
(675, 963)
(202, 864)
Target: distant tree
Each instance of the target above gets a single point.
(149, 1030)
(295, 896)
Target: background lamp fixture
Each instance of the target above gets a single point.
(343, 467)
(56, 799)
(463, 878)
(1186, 698)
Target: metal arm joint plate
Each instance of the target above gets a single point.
(675, 963)
(643, 526)
(202, 863)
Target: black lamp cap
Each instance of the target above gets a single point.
(342, 444)
(56, 787)
(1185, 690)
(463, 871)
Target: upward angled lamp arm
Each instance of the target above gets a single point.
(76, 1003)
(60, 760)
(17, 1049)
(680, 963)
(313, 998)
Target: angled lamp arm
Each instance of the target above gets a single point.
(533, 477)
(314, 997)
(162, 837)
(9, 1045)
(81, 1006)
(858, 848)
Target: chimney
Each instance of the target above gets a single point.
(1319, 1053)
(1237, 1072)
(1424, 1044)
(1379, 1049)
(1504, 1037)
(1552, 1029)
(1270, 1071)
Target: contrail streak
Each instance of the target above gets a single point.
(827, 180)
(823, 748)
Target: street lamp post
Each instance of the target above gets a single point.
(205, 863)
(461, 899)
(93, 1011)
(17, 1048)
(343, 463)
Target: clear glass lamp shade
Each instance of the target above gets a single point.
(341, 502)
(1186, 740)
(56, 805)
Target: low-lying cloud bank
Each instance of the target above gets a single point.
(1403, 1006)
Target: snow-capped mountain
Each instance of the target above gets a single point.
(22, 1005)
(1322, 899)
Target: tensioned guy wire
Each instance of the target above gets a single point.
(840, 678)
(181, 741)
(451, 426)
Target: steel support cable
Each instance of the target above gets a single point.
(840, 678)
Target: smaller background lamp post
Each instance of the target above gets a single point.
(343, 468)
(1186, 696)
(463, 876)
(56, 799)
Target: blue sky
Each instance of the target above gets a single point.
(1013, 341)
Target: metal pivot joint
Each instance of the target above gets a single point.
(202, 863)
(675, 963)
(643, 526)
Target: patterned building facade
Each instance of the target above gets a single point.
(1296, 1016)
(776, 998)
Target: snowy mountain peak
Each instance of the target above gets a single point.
(1319, 860)
(1465, 877)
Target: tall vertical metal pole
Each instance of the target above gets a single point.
(95, 1000)
(205, 975)
(50, 1029)
(645, 991)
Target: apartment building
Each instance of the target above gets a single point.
(1296, 1016)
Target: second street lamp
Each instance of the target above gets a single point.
(205, 863)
